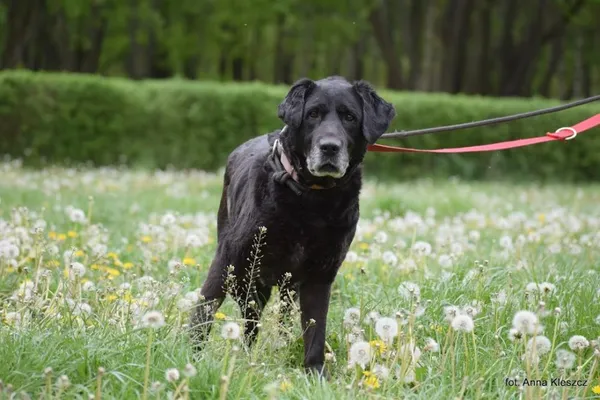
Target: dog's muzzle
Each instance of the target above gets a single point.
(328, 157)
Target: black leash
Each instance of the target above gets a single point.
(492, 121)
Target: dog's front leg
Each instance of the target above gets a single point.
(314, 304)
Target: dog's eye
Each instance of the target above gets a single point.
(349, 117)
(313, 114)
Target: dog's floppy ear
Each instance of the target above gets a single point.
(291, 110)
(377, 113)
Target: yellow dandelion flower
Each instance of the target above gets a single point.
(112, 255)
(128, 297)
(111, 297)
(189, 261)
(10, 269)
(363, 246)
(285, 385)
(95, 266)
(220, 315)
(52, 235)
(379, 346)
(118, 263)
(127, 265)
(79, 253)
(372, 382)
(154, 259)
(542, 218)
(72, 234)
(112, 272)
(53, 263)
(146, 239)
(62, 237)
(596, 389)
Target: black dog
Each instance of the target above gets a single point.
(302, 183)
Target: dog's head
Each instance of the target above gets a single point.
(329, 124)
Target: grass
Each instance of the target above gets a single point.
(432, 258)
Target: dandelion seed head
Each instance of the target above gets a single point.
(431, 345)
(172, 375)
(526, 322)
(462, 323)
(352, 316)
(360, 353)
(450, 312)
(578, 342)
(542, 345)
(409, 291)
(386, 328)
(153, 319)
(189, 370)
(230, 331)
(564, 359)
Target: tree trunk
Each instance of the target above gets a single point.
(556, 53)
(135, 50)
(413, 40)
(429, 76)
(21, 28)
(384, 36)
(483, 68)
(455, 29)
(278, 73)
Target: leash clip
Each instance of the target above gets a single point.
(568, 128)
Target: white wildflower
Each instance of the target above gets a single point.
(381, 237)
(380, 371)
(389, 258)
(542, 345)
(422, 248)
(431, 345)
(153, 319)
(76, 270)
(230, 331)
(360, 353)
(351, 257)
(409, 291)
(387, 329)
(526, 322)
(450, 312)
(189, 370)
(445, 261)
(578, 342)
(564, 359)
(462, 323)
(372, 317)
(172, 375)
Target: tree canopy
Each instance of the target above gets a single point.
(487, 47)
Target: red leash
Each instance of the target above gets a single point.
(566, 133)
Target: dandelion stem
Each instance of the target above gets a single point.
(466, 361)
(590, 377)
(474, 349)
(98, 387)
(553, 346)
(147, 369)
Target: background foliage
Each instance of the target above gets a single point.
(488, 47)
(79, 118)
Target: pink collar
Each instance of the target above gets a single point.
(287, 165)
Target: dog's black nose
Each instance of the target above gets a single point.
(330, 147)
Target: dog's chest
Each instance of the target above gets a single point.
(304, 250)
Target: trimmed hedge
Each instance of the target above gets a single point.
(65, 118)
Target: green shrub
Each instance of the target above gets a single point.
(63, 118)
